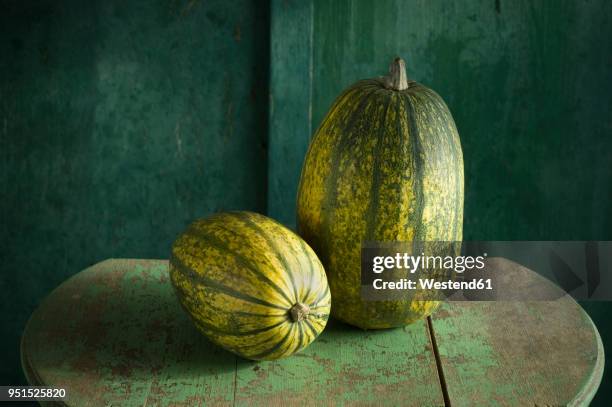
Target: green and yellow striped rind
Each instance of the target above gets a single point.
(384, 166)
(238, 274)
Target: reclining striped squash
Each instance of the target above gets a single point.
(385, 165)
(250, 285)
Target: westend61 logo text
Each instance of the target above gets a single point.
(484, 270)
(404, 262)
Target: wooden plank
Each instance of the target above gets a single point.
(347, 366)
(114, 334)
(290, 103)
(518, 353)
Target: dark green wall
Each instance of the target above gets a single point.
(119, 123)
(528, 83)
(122, 121)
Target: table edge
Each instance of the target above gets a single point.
(29, 373)
(592, 383)
(584, 396)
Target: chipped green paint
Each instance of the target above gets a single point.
(385, 165)
(474, 356)
(345, 366)
(526, 353)
(115, 334)
(119, 337)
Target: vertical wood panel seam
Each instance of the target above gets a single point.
(436, 351)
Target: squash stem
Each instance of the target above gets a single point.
(299, 312)
(397, 78)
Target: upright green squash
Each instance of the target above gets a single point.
(385, 165)
(250, 285)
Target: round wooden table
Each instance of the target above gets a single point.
(115, 335)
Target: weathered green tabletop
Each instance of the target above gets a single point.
(114, 335)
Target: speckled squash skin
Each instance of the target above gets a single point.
(250, 285)
(385, 165)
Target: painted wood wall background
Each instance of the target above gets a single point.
(122, 121)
